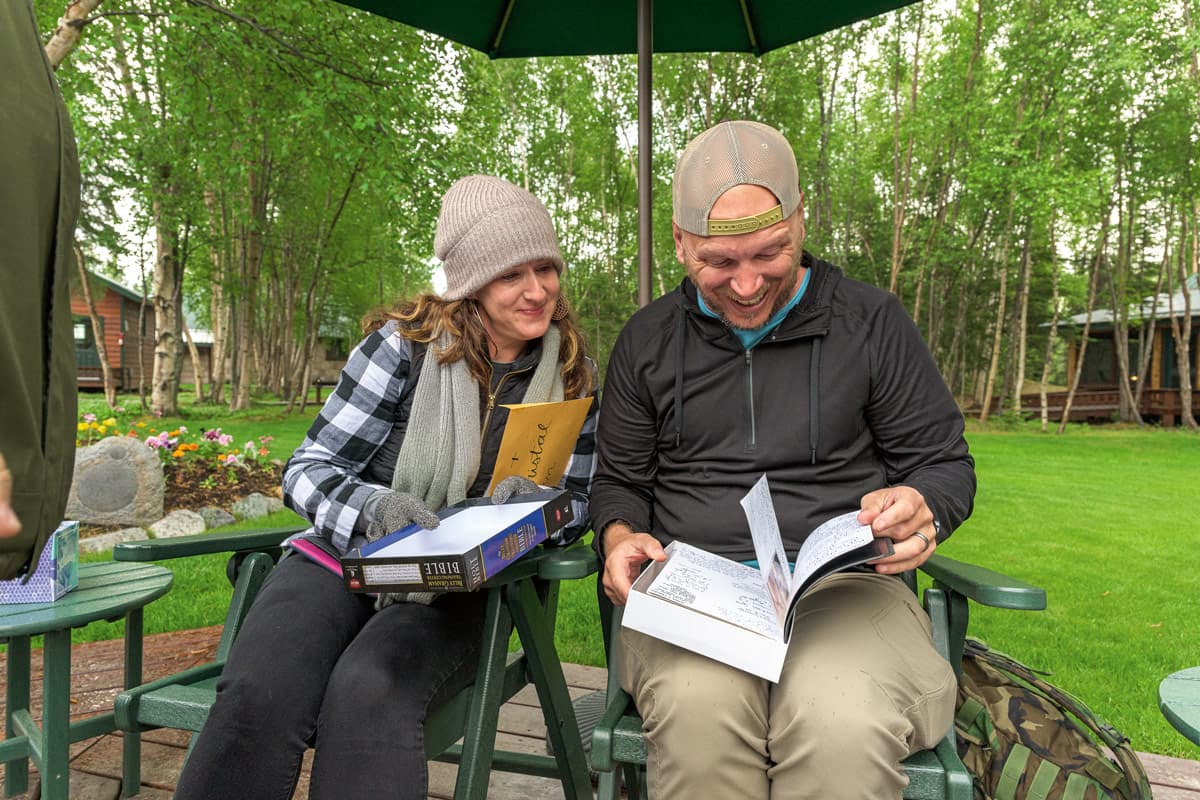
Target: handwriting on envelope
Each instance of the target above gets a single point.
(538, 440)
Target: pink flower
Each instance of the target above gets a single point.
(89, 417)
(231, 459)
(212, 434)
(153, 443)
(225, 439)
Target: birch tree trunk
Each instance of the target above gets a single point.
(1118, 276)
(66, 35)
(85, 288)
(1022, 322)
(250, 258)
(1048, 358)
(1181, 325)
(1087, 323)
(194, 354)
(902, 167)
(167, 295)
(1001, 302)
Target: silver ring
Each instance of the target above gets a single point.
(924, 539)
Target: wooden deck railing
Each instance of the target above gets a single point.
(1097, 405)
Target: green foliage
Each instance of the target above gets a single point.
(298, 165)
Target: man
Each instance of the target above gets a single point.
(768, 360)
(39, 201)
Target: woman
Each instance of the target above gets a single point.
(410, 429)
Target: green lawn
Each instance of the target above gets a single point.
(1099, 517)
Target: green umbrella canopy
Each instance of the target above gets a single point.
(525, 28)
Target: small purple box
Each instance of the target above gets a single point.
(57, 571)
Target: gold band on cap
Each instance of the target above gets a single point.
(733, 227)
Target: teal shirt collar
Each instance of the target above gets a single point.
(751, 337)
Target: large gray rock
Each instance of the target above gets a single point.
(256, 505)
(118, 481)
(178, 523)
(216, 517)
(103, 542)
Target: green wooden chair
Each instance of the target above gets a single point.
(523, 598)
(618, 751)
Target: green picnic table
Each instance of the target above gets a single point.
(107, 591)
(1179, 700)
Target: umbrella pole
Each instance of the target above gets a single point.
(645, 42)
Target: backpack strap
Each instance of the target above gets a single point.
(972, 721)
(1078, 784)
(1043, 781)
(1010, 775)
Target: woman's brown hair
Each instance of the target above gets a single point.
(426, 316)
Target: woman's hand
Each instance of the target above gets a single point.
(396, 510)
(512, 486)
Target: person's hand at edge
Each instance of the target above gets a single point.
(512, 486)
(624, 554)
(391, 598)
(395, 510)
(10, 525)
(901, 514)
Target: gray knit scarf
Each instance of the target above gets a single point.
(439, 457)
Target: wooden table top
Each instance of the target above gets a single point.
(106, 590)
(1179, 699)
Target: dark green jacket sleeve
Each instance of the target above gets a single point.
(39, 202)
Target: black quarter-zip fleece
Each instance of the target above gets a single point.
(842, 398)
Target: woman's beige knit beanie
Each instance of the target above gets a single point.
(487, 226)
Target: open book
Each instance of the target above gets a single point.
(739, 614)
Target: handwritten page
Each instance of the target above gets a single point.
(719, 587)
(831, 539)
(768, 545)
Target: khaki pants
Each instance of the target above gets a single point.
(862, 689)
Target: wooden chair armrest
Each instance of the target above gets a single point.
(568, 563)
(204, 544)
(983, 585)
(548, 563)
(619, 704)
(126, 705)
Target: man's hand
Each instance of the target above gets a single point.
(901, 514)
(395, 510)
(9, 524)
(512, 486)
(624, 554)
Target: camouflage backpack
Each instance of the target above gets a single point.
(1024, 739)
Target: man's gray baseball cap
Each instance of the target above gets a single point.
(727, 155)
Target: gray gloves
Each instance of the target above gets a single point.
(391, 512)
(394, 510)
(510, 487)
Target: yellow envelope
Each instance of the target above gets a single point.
(538, 440)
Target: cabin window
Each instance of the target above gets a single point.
(85, 337)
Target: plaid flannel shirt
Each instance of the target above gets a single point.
(321, 481)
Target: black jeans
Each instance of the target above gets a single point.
(317, 664)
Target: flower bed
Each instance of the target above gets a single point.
(202, 467)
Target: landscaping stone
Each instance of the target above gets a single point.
(216, 517)
(117, 481)
(103, 542)
(178, 523)
(256, 505)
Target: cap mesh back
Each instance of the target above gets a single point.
(727, 155)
